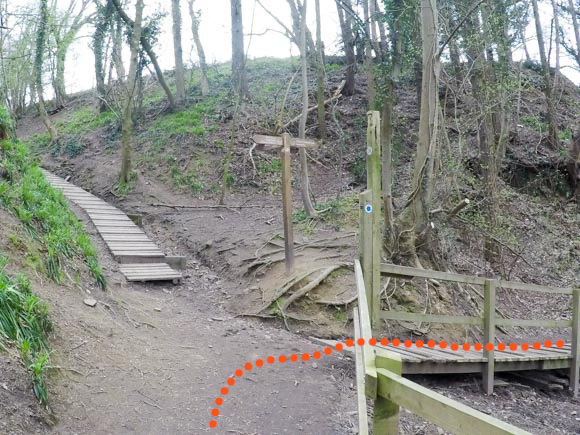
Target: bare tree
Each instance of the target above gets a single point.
(199, 47)
(149, 50)
(38, 67)
(104, 15)
(320, 75)
(64, 31)
(118, 48)
(348, 44)
(127, 127)
(304, 179)
(574, 13)
(552, 126)
(239, 79)
(178, 51)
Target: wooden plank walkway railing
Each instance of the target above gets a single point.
(378, 376)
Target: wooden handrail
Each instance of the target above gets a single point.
(444, 412)
(411, 272)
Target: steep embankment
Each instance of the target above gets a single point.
(40, 240)
(179, 159)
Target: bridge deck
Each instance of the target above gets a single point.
(439, 361)
(140, 257)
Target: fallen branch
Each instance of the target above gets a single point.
(155, 204)
(344, 302)
(310, 286)
(459, 207)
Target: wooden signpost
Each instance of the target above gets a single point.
(285, 144)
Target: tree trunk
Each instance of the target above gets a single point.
(239, 79)
(553, 127)
(38, 63)
(103, 22)
(118, 49)
(304, 179)
(387, 127)
(320, 76)
(149, 50)
(127, 127)
(369, 64)
(199, 48)
(178, 52)
(348, 44)
(60, 91)
(573, 13)
(557, 42)
(423, 175)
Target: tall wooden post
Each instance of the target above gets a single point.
(489, 335)
(374, 185)
(575, 365)
(366, 244)
(386, 415)
(287, 202)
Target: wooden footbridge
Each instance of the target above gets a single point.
(139, 257)
(379, 369)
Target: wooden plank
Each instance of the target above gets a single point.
(431, 318)
(534, 323)
(411, 272)
(444, 412)
(534, 287)
(575, 350)
(276, 142)
(285, 160)
(109, 230)
(488, 334)
(363, 423)
(366, 333)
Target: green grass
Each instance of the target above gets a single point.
(83, 121)
(186, 122)
(337, 212)
(45, 215)
(24, 322)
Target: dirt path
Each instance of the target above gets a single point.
(153, 358)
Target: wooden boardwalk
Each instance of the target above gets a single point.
(440, 361)
(140, 258)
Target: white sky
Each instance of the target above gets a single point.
(215, 35)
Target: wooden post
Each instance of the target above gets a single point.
(386, 412)
(374, 177)
(285, 160)
(366, 244)
(489, 335)
(575, 364)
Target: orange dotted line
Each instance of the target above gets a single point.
(372, 342)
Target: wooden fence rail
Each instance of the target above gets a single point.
(378, 373)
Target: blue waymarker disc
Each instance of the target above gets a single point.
(369, 208)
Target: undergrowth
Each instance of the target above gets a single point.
(45, 214)
(24, 322)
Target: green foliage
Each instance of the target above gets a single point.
(534, 122)
(84, 120)
(333, 67)
(184, 179)
(337, 212)
(45, 214)
(185, 122)
(6, 125)
(24, 321)
(565, 135)
(271, 167)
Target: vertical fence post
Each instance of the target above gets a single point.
(575, 364)
(374, 185)
(366, 244)
(386, 413)
(285, 160)
(489, 335)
